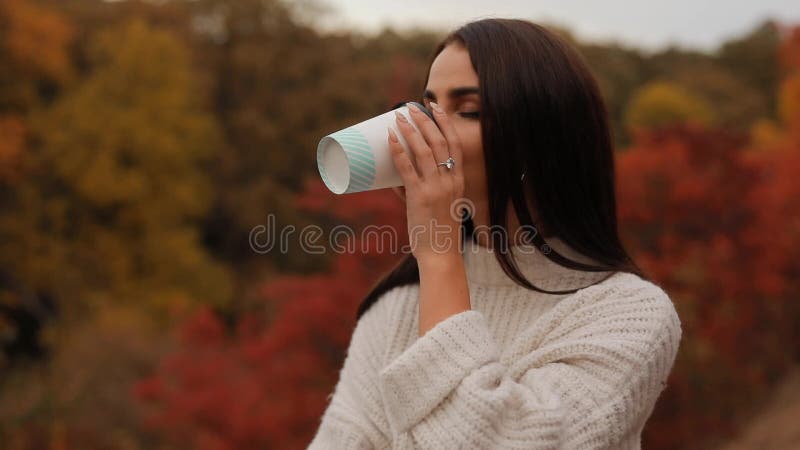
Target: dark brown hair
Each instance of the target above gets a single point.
(542, 114)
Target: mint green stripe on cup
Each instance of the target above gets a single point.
(360, 159)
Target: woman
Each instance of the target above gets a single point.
(556, 340)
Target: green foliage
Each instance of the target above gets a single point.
(752, 59)
(279, 86)
(736, 104)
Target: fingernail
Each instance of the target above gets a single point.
(401, 117)
(392, 136)
(436, 107)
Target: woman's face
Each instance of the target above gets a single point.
(453, 84)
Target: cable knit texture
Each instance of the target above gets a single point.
(519, 370)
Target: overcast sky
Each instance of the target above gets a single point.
(701, 24)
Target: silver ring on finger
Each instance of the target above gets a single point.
(449, 164)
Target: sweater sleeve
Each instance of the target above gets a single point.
(586, 375)
(354, 418)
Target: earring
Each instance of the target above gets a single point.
(523, 174)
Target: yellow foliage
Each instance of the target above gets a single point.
(766, 133)
(112, 212)
(663, 103)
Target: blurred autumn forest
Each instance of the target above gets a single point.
(141, 142)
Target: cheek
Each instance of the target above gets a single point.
(471, 145)
(472, 149)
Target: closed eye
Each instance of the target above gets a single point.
(467, 114)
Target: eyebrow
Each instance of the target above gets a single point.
(452, 93)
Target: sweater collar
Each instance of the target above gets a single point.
(483, 268)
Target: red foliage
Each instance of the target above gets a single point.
(717, 224)
(266, 386)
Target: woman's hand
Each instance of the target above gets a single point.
(431, 192)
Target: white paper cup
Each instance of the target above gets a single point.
(357, 158)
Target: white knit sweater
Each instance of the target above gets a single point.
(520, 370)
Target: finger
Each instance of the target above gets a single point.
(402, 162)
(422, 153)
(433, 136)
(453, 141)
